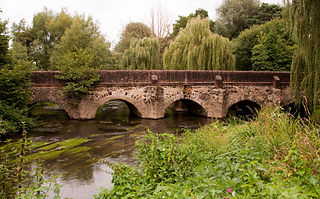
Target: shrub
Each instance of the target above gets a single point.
(274, 156)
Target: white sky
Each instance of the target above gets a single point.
(112, 15)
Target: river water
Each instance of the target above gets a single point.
(75, 151)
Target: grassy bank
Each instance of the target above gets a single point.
(274, 156)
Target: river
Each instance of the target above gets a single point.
(75, 151)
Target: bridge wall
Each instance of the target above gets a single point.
(149, 93)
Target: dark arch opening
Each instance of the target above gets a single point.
(47, 110)
(296, 110)
(185, 105)
(245, 109)
(116, 109)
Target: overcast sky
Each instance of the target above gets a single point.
(112, 15)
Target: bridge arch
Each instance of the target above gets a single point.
(131, 106)
(243, 109)
(295, 109)
(64, 107)
(186, 104)
(134, 106)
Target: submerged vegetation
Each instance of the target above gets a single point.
(19, 176)
(274, 156)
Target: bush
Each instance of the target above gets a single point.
(274, 156)
(78, 71)
(14, 98)
(263, 45)
(18, 179)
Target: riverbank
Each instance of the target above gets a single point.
(74, 150)
(274, 156)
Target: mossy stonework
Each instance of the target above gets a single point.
(149, 93)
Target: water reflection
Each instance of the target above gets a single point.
(111, 137)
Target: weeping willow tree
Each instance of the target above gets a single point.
(143, 54)
(197, 48)
(304, 18)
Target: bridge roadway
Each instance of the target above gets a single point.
(149, 93)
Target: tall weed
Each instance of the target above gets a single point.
(273, 156)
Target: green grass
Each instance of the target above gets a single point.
(274, 156)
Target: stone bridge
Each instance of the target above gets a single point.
(149, 93)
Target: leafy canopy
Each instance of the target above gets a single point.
(14, 88)
(197, 48)
(132, 30)
(181, 23)
(235, 16)
(274, 50)
(143, 54)
(46, 32)
(4, 42)
(83, 34)
(275, 46)
(77, 70)
(303, 17)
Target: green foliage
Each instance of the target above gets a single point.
(266, 12)
(261, 38)
(4, 43)
(143, 54)
(19, 53)
(275, 156)
(14, 97)
(14, 88)
(18, 179)
(182, 22)
(46, 32)
(234, 15)
(197, 48)
(303, 17)
(273, 52)
(77, 69)
(53, 34)
(14, 85)
(81, 52)
(82, 34)
(132, 30)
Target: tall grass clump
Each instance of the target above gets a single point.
(273, 156)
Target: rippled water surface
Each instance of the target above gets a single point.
(75, 150)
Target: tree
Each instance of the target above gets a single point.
(160, 22)
(77, 69)
(181, 23)
(303, 16)
(143, 54)
(81, 52)
(233, 16)
(132, 30)
(197, 48)
(266, 12)
(83, 34)
(4, 43)
(160, 26)
(273, 52)
(46, 32)
(243, 45)
(14, 89)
